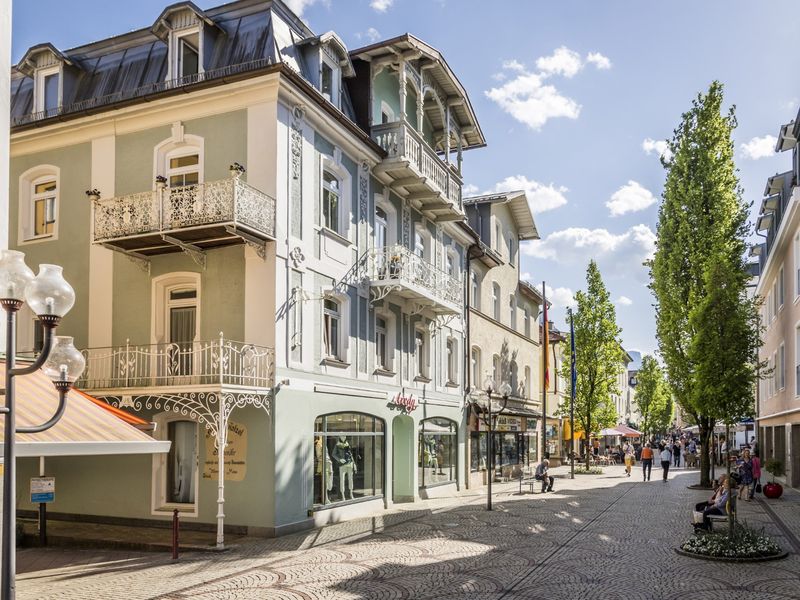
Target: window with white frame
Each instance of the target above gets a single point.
(781, 287)
(48, 89)
(39, 193)
(329, 76)
(421, 353)
(332, 326)
(331, 197)
(781, 367)
(496, 301)
(527, 318)
(382, 356)
(512, 307)
(497, 370)
(451, 265)
(419, 244)
(176, 473)
(452, 361)
(183, 167)
(475, 289)
(43, 200)
(475, 359)
(498, 237)
(381, 227)
(510, 242)
(186, 55)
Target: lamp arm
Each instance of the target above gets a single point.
(62, 405)
(49, 329)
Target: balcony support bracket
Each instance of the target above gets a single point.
(379, 292)
(252, 241)
(140, 260)
(196, 254)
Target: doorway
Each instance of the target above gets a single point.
(403, 459)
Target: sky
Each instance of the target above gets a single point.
(575, 99)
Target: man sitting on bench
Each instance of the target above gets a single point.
(541, 475)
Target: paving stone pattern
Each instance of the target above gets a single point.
(598, 537)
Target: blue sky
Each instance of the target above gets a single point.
(567, 93)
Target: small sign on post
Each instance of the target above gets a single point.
(43, 489)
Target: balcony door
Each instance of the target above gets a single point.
(182, 330)
(183, 175)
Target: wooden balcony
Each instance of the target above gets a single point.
(192, 219)
(418, 172)
(396, 270)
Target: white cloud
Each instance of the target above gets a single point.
(371, 34)
(617, 254)
(381, 5)
(299, 6)
(660, 147)
(598, 60)
(560, 297)
(469, 189)
(525, 95)
(541, 197)
(562, 61)
(631, 197)
(624, 301)
(759, 147)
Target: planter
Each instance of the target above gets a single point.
(773, 490)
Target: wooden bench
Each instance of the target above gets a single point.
(529, 481)
(716, 519)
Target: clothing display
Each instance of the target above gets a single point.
(343, 455)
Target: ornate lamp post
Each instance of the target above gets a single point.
(50, 297)
(490, 386)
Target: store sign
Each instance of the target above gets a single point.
(531, 424)
(406, 403)
(43, 489)
(235, 458)
(506, 423)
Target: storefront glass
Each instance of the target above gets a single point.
(510, 448)
(437, 451)
(348, 457)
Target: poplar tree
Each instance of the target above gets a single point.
(702, 223)
(653, 397)
(598, 356)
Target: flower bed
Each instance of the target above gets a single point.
(589, 471)
(746, 544)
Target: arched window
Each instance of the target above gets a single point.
(348, 457)
(179, 158)
(438, 441)
(39, 191)
(331, 195)
(475, 358)
(512, 306)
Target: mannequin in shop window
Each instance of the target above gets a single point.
(326, 477)
(343, 455)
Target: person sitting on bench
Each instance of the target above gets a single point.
(716, 505)
(541, 475)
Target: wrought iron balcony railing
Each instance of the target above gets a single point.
(400, 141)
(398, 269)
(220, 362)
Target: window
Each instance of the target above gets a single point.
(497, 371)
(48, 90)
(348, 457)
(44, 207)
(527, 382)
(182, 328)
(51, 92)
(381, 227)
(527, 322)
(498, 237)
(326, 81)
(183, 169)
(381, 344)
(189, 57)
(331, 191)
(387, 113)
(771, 366)
(421, 354)
(437, 451)
(419, 244)
(452, 361)
(512, 305)
(512, 254)
(496, 301)
(475, 358)
(781, 367)
(182, 462)
(451, 265)
(514, 373)
(775, 299)
(781, 287)
(331, 328)
(476, 290)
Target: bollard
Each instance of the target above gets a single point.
(175, 527)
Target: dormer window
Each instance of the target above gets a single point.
(186, 54)
(48, 89)
(329, 76)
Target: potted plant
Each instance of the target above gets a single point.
(236, 170)
(93, 194)
(161, 182)
(775, 467)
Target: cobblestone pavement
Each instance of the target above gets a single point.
(598, 537)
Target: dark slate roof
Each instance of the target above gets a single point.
(252, 35)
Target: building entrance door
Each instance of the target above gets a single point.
(403, 459)
(795, 451)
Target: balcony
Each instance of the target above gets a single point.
(397, 270)
(431, 183)
(193, 219)
(216, 364)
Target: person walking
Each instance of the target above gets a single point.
(676, 454)
(666, 460)
(647, 461)
(630, 458)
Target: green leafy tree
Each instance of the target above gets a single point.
(702, 222)
(653, 397)
(598, 356)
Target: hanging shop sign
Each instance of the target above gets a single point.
(403, 401)
(235, 458)
(43, 489)
(531, 424)
(507, 423)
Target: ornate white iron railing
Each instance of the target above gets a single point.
(168, 209)
(397, 265)
(401, 141)
(219, 362)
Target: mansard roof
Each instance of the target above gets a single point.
(41, 55)
(174, 17)
(411, 48)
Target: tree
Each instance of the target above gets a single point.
(702, 221)
(653, 397)
(598, 356)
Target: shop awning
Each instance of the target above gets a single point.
(85, 429)
(511, 411)
(621, 430)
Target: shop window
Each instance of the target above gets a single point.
(348, 458)
(437, 451)
(176, 473)
(331, 324)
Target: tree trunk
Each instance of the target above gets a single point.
(731, 508)
(588, 437)
(706, 428)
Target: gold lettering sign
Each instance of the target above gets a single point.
(235, 454)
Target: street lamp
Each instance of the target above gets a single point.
(50, 297)
(490, 386)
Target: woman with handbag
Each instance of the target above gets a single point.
(745, 467)
(756, 484)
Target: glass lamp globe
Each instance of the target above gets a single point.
(49, 293)
(505, 389)
(15, 275)
(489, 384)
(65, 362)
